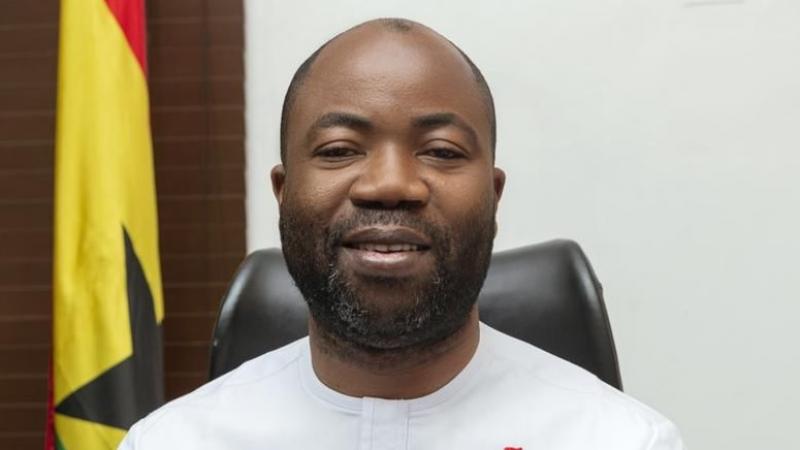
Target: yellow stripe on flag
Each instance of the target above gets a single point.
(84, 435)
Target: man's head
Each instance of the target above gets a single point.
(388, 189)
(389, 24)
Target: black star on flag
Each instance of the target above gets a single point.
(129, 390)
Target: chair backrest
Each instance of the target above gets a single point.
(545, 294)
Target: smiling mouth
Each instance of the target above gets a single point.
(386, 248)
(387, 251)
(386, 239)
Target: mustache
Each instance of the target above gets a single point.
(361, 218)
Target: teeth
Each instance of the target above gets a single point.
(388, 248)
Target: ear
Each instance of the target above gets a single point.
(278, 177)
(499, 184)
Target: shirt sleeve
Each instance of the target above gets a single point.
(666, 437)
(128, 442)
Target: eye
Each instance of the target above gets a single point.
(335, 153)
(444, 153)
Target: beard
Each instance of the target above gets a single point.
(359, 312)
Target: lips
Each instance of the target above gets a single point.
(386, 248)
(386, 239)
(386, 251)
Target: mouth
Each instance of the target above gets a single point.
(387, 239)
(385, 248)
(386, 251)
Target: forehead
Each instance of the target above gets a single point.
(389, 74)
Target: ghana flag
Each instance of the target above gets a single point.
(107, 301)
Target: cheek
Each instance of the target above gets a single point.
(318, 194)
(463, 198)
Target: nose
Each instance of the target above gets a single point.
(390, 179)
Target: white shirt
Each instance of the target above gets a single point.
(511, 395)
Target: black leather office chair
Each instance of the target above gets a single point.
(545, 294)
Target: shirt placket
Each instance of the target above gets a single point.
(384, 424)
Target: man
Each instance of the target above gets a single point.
(388, 194)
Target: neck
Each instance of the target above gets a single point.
(403, 374)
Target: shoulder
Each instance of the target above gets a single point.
(521, 358)
(234, 390)
(578, 396)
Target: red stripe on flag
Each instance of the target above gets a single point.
(131, 18)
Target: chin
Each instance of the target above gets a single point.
(389, 287)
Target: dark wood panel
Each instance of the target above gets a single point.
(27, 126)
(26, 332)
(26, 184)
(18, 13)
(211, 239)
(193, 30)
(178, 92)
(191, 268)
(191, 357)
(29, 69)
(22, 440)
(170, 9)
(193, 121)
(188, 329)
(23, 418)
(199, 151)
(23, 389)
(196, 62)
(20, 155)
(34, 38)
(28, 41)
(25, 272)
(28, 214)
(192, 180)
(25, 360)
(228, 209)
(183, 299)
(178, 384)
(227, 121)
(25, 301)
(27, 98)
(26, 243)
(225, 8)
(172, 122)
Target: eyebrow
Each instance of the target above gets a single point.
(338, 119)
(444, 119)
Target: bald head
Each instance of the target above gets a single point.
(414, 34)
